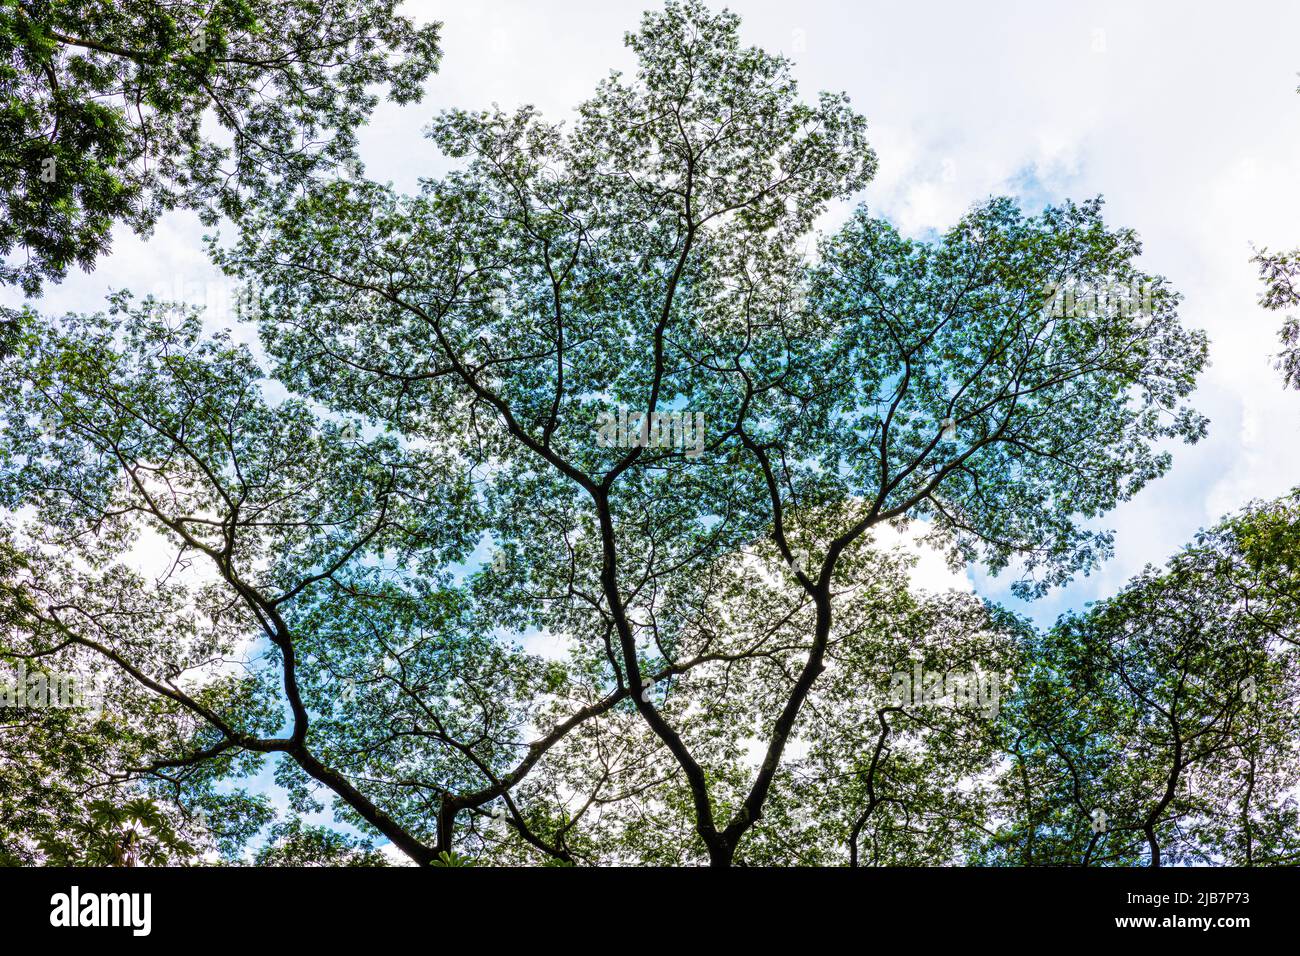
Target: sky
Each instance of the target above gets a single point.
(1184, 116)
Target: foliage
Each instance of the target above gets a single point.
(403, 553)
(107, 106)
(131, 834)
(1172, 709)
(1279, 272)
(648, 260)
(295, 843)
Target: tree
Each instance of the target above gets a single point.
(105, 106)
(589, 387)
(294, 843)
(903, 746)
(649, 260)
(67, 795)
(131, 427)
(1279, 271)
(129, 835)
(1161, 724)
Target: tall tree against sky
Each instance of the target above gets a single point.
(603, 389)
(115, 110)
(652, 258)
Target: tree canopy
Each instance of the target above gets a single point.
(1279, 272)
(547, 522)
(115, 111)
(1168, 712)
